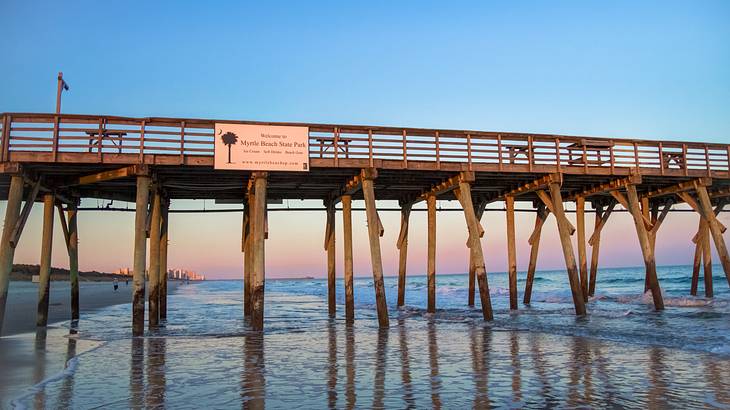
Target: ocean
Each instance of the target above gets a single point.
(623, 354)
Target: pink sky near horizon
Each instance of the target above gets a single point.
(210, 243)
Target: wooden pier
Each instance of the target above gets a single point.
(60, 159)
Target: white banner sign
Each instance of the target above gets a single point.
(261, 147)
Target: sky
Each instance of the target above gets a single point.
(651, 69)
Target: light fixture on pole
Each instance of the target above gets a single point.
(62, 85)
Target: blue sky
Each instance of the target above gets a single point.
(656, 70)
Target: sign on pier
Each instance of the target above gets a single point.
(261, 147)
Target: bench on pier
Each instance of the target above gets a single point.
(588, 152)
(515, 151)
(110, 135)
(676, 158)
(325, 143)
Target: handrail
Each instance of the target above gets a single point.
(104, 134)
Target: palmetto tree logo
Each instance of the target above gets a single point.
(229, 139)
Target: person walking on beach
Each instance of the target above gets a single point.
(116, 284)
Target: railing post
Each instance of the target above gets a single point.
(557, 153)
(100, 137)
(468, 151)
(405, 150)
(499, 151)
(661, 158)
(727, 160)
(335, 145)
(182, 142)
(636, 156)
(530, 156)
(141, 142)
(438, 149)
(707, 161)
(684, 159)
(56, 119)
(613, 158)
(370, 147)
(6, 137)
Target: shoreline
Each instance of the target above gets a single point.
(21, 308)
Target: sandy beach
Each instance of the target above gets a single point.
(22, 302)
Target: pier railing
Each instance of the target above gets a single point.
(51, 136)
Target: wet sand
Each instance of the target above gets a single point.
(20, 313)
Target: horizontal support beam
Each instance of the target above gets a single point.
(445, 186)
(111, 174)
(608, 186)
(680, 187)
(350, 188)
(540, 183)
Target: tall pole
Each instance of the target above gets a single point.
(45, 269)
(163, 259)
(347, 236)
(58, 92)
(511, 251)
(154, 267)
(258, 263)
(12, 212)
(73, 258)
(329, 246)
(431, 266)
(371, 213)
(140, 253)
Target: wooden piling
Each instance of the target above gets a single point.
(402, 245)
(49, 203)
(580, 216)
(478, 211)
(153, 296)
(258, 262)
(431, 268)
(540, 217)
(12, 213)
(715, 229)
(163, 258)
(140, 254)
(329, 246)
(595, 249)
(248, 250)
(645, 243)
(73, 258)
(564, 228)
(706, 257)
(347, 240)
(511, 251)
(696, 265)
(463, 194)
(369, 174)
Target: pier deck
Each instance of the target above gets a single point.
(60, 159)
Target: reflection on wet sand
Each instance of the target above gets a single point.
(350, 395)
(253, 386)
(433, 361)
(480, 346)
(541, 368)
(405, 365)
(156, 379)
(380, 360)
(39, 370)
(720, 393)
(514, 350)
(136, 374)
(507, 369)
(332, 365)
(65, 396)
(657, 394)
